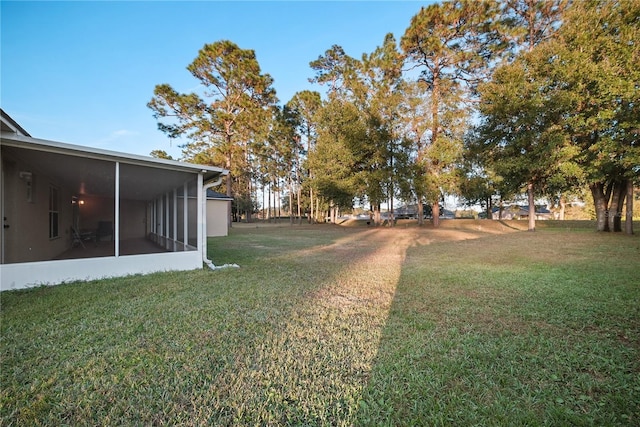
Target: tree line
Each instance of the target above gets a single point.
(481, 99)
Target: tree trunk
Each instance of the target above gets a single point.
(229, 211)
(376, 213)
(532, 208)
(420, 211)
(615, 206)
(269, 205)
(435, 133)
(600, 203)
(299, 204)
(250, 207)
(617, 220)
(278, 203)
(290, 203)
(435, 210)
(229, 191)
(489, 208)
(298, 191)
(310, 205)
(310, 175)
(562, 202)
(628, 221)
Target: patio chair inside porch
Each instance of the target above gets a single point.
(79, 237)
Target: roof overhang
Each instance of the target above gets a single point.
(25, 142)
(214, 195)
(91, 171)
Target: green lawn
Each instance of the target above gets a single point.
(476, 323)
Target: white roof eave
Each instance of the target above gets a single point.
(19, 141)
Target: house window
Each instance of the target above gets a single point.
(54, 214)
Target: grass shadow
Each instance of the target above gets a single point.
(270, 343)
(502, 337)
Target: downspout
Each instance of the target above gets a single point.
(206, 260)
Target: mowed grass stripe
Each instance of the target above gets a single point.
(473, 324)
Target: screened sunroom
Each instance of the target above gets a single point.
(77, 213)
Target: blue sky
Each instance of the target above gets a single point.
(83, 72)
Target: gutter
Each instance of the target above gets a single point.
(206, 260)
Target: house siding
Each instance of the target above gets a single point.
(217, 218)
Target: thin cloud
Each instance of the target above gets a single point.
(114, 137)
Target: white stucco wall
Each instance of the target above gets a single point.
(29, 274)
(217, 218)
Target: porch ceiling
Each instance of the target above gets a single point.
(87, 176)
